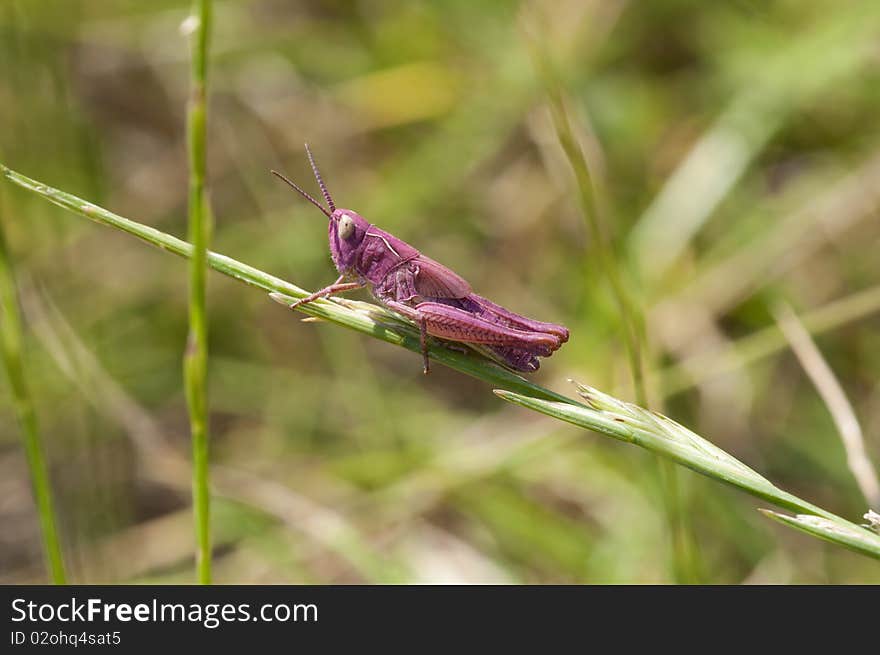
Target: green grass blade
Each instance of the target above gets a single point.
(195, 358)
(663, 436)
(11, 341)
(854, 538)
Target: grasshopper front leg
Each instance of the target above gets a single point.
(337, 287)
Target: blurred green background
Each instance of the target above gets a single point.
(741, 154)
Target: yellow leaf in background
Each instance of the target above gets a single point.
(401, 95)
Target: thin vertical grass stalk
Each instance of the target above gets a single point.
(835, 399)
(631, 319)
(599, 412)
(685, 565)
(11, 337)
(196, 354)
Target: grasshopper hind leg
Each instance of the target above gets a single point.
(516, 349)
(419, 319)
(423, 340)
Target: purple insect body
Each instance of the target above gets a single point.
(438, 300)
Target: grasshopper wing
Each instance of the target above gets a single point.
(434, 280)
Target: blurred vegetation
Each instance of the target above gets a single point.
(741, 167)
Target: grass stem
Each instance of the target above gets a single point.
(835, 399)
(196, 353)
(11, 337)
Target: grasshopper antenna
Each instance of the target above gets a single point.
(302, 193)
(320, 181)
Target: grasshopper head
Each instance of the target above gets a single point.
(346, 232)
(346, 229)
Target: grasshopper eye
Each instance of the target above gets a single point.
(346, 226)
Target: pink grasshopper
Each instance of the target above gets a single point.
(435, 298)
